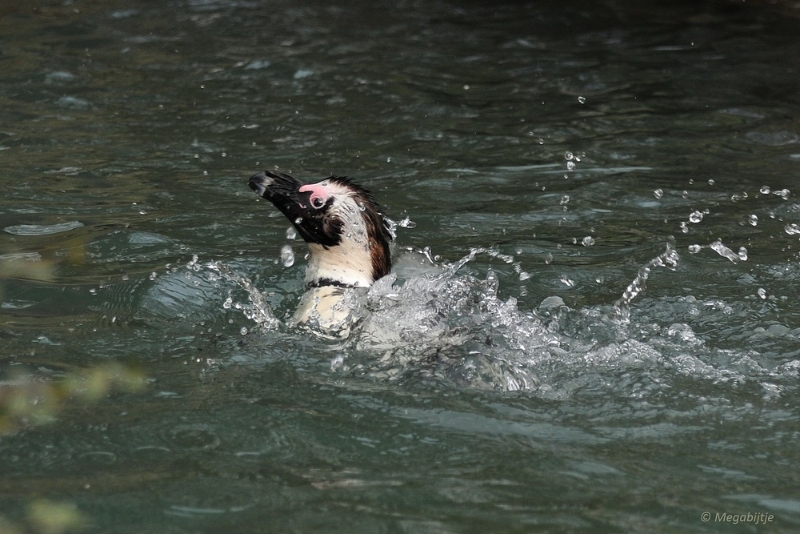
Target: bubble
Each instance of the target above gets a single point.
(762, 292)
(694, 249)
(243, 330)
(570, 165)
(658, 193)
(548, 258)
(567, 281)
(684, 227)
(388, 160)
(298, 220)
(291, 233)
(153, 275)
(792, 229)
(287, 256)
(753, 220)
(696, 217)
(588, 241)
(765, 190)
(568, 155)
(581, 100)
(524, 276)
(541, 141)
(564, 200)
(228, 303)
(711, 181)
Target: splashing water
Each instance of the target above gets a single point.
(669, 258)
(258, 311)
(718, 247)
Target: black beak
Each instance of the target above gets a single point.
(275, 185)
(259, 183)
(284, 193)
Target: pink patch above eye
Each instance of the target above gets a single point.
(317, 192)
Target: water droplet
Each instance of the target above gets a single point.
(227, 304)
(765, 190)
(753, 220)
(524, 276)
(696, 217)
(718, 247)
(153, 275)
(792, 229)
(742, 253)
(568, 155)
(694, 249)
(243, 330)
(388, 160)
(564, 199)
(291, 233)
(684, 227)
(588, 241)
(298, 220)
(406, 222)
(658, 193)
(541, 141)
(581, 100)
(762, 292)
(567, 282)
(570, 165)
(466, 87)
(548, 258)
(287, 256)
(711, 181)
(685, 194)
(783, 193)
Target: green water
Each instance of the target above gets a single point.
(616, 155)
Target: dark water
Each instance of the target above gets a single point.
(638, 161)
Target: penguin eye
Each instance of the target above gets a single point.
(317, 202)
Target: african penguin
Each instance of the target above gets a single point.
(348, 243)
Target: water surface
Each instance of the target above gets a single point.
(592, 325)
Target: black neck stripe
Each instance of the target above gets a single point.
(327, 282)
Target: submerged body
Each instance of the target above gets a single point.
(348, 244)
